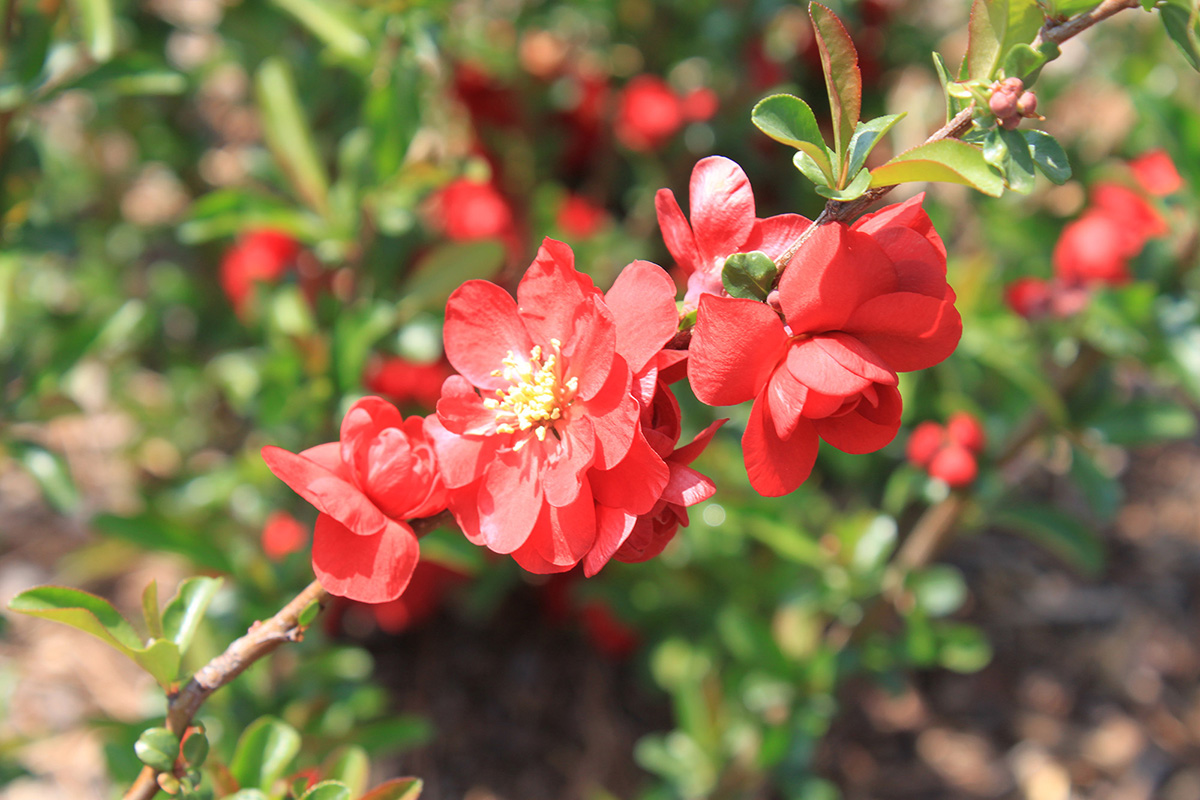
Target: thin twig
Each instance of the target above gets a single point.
(262, 639)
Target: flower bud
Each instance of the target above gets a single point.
(1002, 104)
(955, 465)
(926, 440)
(1013, 86)
(1027, 105)
(963, 428)
(1010, 123)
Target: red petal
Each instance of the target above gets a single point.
(813, 366)
(686, 487)
(510, 498)
(567, 463)
(614, 421)
(329, 456)
(461, 459)
(735, 346)
(909, 331)
(722, 209)
(819, 406)
(362, 423)
(777, 467)
(774, 235)
(920, 266)
(866, 429)
(688, 453)
(613, 527)
(832, 274)
(462, 411)
(464, 505)
(642, 302)
(342, 500)
(590, 349)
(481, 329)
(635, 484)
(672, 365)
(856, 357)
(675, 230)
(786, 399)
(370, 569)
(571, 531)
(908, 214)
(551, 292)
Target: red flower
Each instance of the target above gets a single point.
(1156, 173)
(282, 535)
(699, 105)
(721, 205)
(861, 303)
(468, 210)
(261, 256)
(648, 114)
(366, 485)
(955, 465)
(1029, 297)
(925, 442)
(949, 453)
(1132, 215)
(557, 432)
(965, 429)
(579, 218)
(1093, 249)
(405, 381)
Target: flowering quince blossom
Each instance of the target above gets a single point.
(949, 453)
(551, 463)
(1156, 173)
(381, 472)
(860, 304)
(259, 256)
(721, 205)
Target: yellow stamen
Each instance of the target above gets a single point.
(536, 396)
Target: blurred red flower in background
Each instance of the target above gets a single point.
(282, 535)
(466, 210)
(580, 218)
(405, 381)
(949, 453)
(1156, 173)
(648, 114)
(259, 256)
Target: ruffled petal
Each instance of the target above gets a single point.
(774, 235)
(566, 464)
(920, 266)
(571, 531)
(785, 399)
(642, 302)
(909, 331)
(907, 214)
(677, 234)
(461, 410)
(461, 459)
(551, 292)
(735, 346)
(329, 456)
(868, 428)
(686, 487)
(482, 328)
(589, 351)
(688, 453)
(635, 484)
(722, 209)
(813, 366)
(856, 357)
(369, 569)
(835, 271)
(510, 498)
(332, 495)
(613, 527)
(777, 467)
(614, 422)
(365, 420)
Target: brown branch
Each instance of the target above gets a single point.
(262, 638)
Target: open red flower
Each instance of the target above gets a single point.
(1156, 173)
(648, 114)
(557, 431)
(406, 381)
(467, 210)
(380, 473)
(721, 204)
(259, 256)
(860, 304)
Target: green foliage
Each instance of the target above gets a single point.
(947, 160)
(749, 275)
(263, 753)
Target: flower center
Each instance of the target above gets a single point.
(536, 396)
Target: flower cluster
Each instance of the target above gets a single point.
(948, 452)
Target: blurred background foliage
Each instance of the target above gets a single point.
(396, 149)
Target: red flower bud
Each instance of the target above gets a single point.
(1002, 104)
(1156, 173)
(924, 443)
(963, 428)
(1013, 86)
(1010, 123)
(955, 465)
(1029, 297)
(1027, 104)
(260, 256)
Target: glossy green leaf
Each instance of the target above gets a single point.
(749, 275)
(150, 611)
(994, 28)
(350, 765)
(99, 27)
(288, 133)
(866, 136)
(790, 120)
(843, 80)
(157, 748)
(1024, 62)
(95, 615)
(811, 169)
(953, 105)
(1145, 422)
(263, 753)
(946, 160)
(856, 187)
(396, 789)
(186, 609)
(327, 790)
(1181, 18)
(195, 749)
(444, 269)
(995, 148)
(1059, 532)
(1061, 9)
(1049, 156)
(938, 590)
(1019, 170)
(963, 648)
(339, 26)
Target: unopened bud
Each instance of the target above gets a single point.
(773, 300)
(1027, 105)
(1002, 104)
(1013, 86)
(1010, 123)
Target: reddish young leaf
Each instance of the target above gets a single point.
(843, 79)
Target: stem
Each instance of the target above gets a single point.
(261, 639)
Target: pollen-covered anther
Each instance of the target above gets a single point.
(536, 396)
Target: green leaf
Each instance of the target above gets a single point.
(350, 765)
(396, 789)
(354, 334)
(157, 748)
(392, 113)
(327, 790)
(749, 275)
(811, 169)
(99, 28)
(790, 120)
(1181, 18)
(1019, 170)
(263, 753)
(994, 28)
(288, 134)
(333, 23)
(444, 269)
(195, 748)
(995, 148)
(938, 590)
(963, 648)
(843, 80)
(227, 212)
(866, 136)
(395, 733)
(186, 609)
(1023, 61)
(95, 615)
(946, 160)
(952, 104)
(150, 610)
(1061, 9)
(1145, 422)
(1049, 156)
(1061, 533)
(861, 182)
(51, 473)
